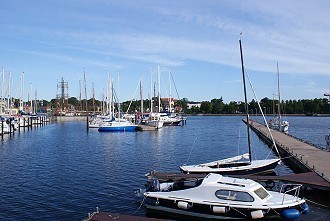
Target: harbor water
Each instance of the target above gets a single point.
(62, 171)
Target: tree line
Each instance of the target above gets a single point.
(215, 106)
(269, 106)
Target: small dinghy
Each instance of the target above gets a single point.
(218, 197)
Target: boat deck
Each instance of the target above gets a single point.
(309, 179)
(304, 157)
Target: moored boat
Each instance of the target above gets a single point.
(218, 197)
(117, 125)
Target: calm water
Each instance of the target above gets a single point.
(62, 171)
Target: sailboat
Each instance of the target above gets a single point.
(117, 124)
(277, 122)
(153, 118)
(242, 164)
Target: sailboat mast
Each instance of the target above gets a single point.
(170, 97)
(151, 98)
(22, 91)
(93, 96)
(279, 98)
(246, 104)
(2, 90)
(31, 104)
(141, 93)
(85, 91)
(118, 97)
(158, 90)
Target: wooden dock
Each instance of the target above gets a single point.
(300, 155)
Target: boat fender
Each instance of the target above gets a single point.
(304, 208)
(257, 214)
(219, 209)
(184, 205)
(290, 214)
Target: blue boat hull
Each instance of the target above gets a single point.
(118, 129)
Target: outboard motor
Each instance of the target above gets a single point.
(153, 185)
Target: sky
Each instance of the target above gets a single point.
(196, 41)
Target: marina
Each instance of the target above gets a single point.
(112, 110)
(68, 170)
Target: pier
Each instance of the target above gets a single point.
(298, 154)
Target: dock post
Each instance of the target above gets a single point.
(87, 122)
(2, 122)
(10, 127)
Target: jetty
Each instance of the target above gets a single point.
(300, 155)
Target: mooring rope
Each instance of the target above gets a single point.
(142, 202)
(317, 203)
(191, 150)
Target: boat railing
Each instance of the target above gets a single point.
(290, 188)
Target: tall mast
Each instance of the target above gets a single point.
(22, 91)
(279, 98)
(151, 97)
(118, 97)
(85, 91)
(80, 95)
(158, 90)
(112, 98)
(107, 95)
(31, 104)
(2, 90)
(35, 101)
(141, 94)
(170, 98)
(246, 104)
(93, 96)
(9, 94)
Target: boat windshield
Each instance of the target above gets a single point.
(234, 195)
(262, 193)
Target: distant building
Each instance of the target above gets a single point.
(192, 104)
(166, 103)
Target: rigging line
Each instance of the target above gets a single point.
(132, 98)
(175, 87)
(274, 210)
(238, 211)
(191, 150)
(239, 140)
(262, 113)
(142, 202)
(317, 203)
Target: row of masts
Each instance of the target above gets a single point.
(110, 97)
(7, 100)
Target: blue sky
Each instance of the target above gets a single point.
(196, 40)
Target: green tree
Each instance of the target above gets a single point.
(217, 106)
(206, 107)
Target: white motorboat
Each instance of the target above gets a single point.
(218, 197)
